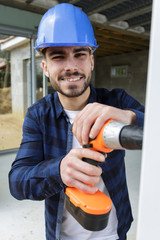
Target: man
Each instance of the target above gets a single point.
(50, 156)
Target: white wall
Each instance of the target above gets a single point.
(18, 80)
(149, 205)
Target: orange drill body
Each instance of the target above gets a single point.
(92, 210)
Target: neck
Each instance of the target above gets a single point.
(75, 103)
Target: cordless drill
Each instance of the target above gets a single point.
(92, 210)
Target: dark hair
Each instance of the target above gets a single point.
(44, 51)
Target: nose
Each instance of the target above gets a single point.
(70, 64)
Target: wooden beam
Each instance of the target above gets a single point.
(140, 24)
(117, 30)
(115, 48)
(73, 1)
(123, 37)
(28, 1)
(119, 44)
(104, 7)
(106, 52)
(132, 14)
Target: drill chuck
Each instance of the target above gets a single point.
(117, 135)
(111, 134)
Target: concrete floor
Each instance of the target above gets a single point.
(20, 220)
(24, 220)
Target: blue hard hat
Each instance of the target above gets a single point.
(65, 25)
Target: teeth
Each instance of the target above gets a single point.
(73, 79)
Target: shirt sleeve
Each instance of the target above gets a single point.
(129, 103)
(32, 177)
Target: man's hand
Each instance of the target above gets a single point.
(79, 174)
(92, 118)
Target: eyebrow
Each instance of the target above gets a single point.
(54, 52)
(80, 49)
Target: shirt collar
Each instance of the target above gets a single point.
(93, 95)
(58, 106)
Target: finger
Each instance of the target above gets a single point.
(75, 163)
(86, 179)
(82, 125)
(85, 188)
(84, 121)
(88, 128)
(80, 168)
(88, 153)
(87, 169)
(85, 173)
(98, 124)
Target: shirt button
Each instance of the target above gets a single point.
(58, 221)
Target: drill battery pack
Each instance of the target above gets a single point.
(90, 210)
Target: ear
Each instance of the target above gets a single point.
(45, 69)
(92, 62)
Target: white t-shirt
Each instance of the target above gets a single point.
(71, 229)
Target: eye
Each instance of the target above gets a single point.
(77, 55)
(58, 57)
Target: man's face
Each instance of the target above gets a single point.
(69, 69)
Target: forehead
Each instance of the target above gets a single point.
(63, 50)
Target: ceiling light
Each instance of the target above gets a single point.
(138, 29)
(121, 24)
(99, 18)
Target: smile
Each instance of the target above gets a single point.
(72, 79)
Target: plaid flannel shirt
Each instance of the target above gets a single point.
(47, 138)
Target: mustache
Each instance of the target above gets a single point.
(68, 74)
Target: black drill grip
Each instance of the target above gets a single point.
(91, 161)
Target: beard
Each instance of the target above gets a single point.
(72, 90)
